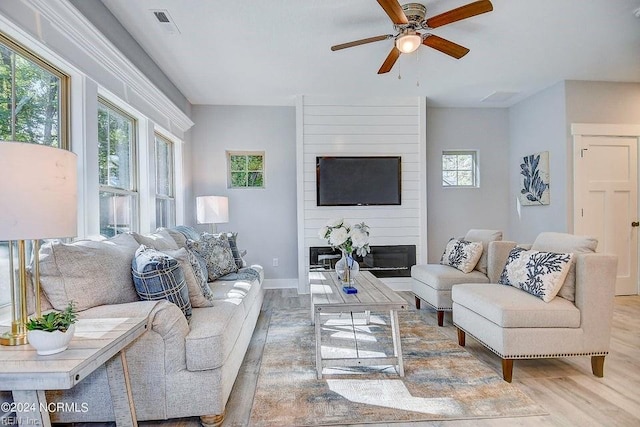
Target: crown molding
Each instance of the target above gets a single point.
(79, 30)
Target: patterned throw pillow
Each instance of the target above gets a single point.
(233, 243)
(462, 254)
(539, 273)
(158, 276)
(195, 274)
(216, 251)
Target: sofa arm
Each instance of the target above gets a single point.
(168, 321)
(595, 290)
(497, 255)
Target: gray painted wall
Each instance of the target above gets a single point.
(539, 124)
(265, 218)
(103, 19)
(543, 122)
(453, 211)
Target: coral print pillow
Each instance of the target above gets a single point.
(541, 274)
(462, 254)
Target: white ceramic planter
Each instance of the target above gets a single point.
(47, 343)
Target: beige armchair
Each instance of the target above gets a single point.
(432, 282)
(517, 325)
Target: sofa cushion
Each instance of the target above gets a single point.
(462, 254)
(443, 277)
(509, 307)
(238, 291)
(539, 273)
(157, 276)
(159, 240)
(195, 274)
(484, 237)
(213, 334)
(215, 250)
(91, 273)
(563, 242)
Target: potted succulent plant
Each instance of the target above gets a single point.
(51, 332)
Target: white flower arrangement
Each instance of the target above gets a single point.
(341, 235)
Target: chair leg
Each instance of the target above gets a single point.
(417, 303)
(440, 317)
(507, 369)
(597, 366)
(461, 337)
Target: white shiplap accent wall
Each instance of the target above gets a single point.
(362, 127)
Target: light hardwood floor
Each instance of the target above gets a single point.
(564, 387)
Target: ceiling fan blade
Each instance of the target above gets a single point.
(463, 12)
(445, 46)
(388, 63)
(362, 41)
(394, 10)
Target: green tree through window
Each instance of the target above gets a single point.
(32, 95)
(246, 169)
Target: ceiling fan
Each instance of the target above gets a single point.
(408, 20)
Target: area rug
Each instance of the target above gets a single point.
(442, 380)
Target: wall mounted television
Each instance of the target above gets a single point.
(358, 181)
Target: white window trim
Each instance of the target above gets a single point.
(476, 167)
(262, 153)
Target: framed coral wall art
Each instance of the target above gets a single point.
(534, 179)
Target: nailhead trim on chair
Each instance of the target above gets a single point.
(532, 356)
(437, 308)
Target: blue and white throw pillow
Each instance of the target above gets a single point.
(462, 254)
(541, 274)
(159, 276)
(216, 251)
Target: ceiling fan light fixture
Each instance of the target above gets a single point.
(409, 42)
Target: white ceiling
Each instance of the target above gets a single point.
(265, 52)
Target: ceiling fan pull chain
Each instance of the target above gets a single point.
(417, 68)
(399, 75)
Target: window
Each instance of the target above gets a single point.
(33, 108)
(117, 170)
(459, 169)
(33, 98)
(246, 169)
(165, 196)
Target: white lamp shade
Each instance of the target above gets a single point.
(408, 43)
(38, 192)
(212, 209)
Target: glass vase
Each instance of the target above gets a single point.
(347, 269)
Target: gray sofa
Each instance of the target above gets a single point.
(178, 367)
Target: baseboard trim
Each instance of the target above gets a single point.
(280, 283)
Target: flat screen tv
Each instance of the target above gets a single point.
(358, 181)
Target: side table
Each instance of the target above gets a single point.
(96, 342)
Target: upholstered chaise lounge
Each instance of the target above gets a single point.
(432, 282)
(515, 324)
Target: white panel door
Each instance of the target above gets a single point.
(606, 196)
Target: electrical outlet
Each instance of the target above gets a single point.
(275, 262)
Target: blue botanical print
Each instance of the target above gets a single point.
(535, 272)
(504, 276)
(457, 256)
(533, 184)
(540, 264)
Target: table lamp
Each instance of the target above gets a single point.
(38, 189)
(212, 210)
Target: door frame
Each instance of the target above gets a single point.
(580, 130)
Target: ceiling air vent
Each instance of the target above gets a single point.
(165, 21)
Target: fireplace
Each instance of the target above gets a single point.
(382, 261)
